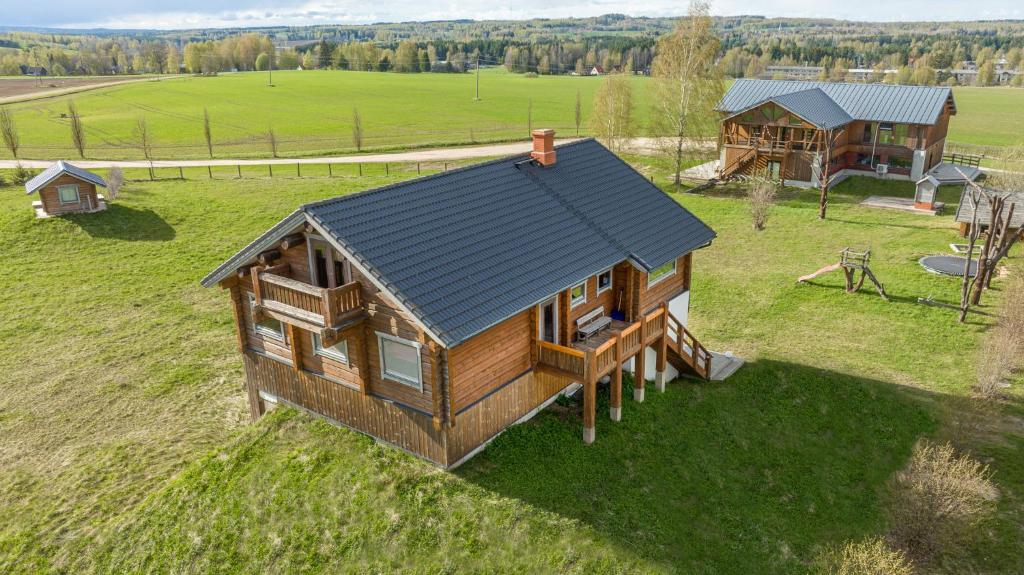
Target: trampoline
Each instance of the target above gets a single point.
(948, 265)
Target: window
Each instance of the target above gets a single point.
(400, 360)
(578, 294)
(269, 327)
(68, 194)
(661, 272)
(604, 281)
(338, 351)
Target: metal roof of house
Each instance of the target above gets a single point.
(964, 213)
(466, 249)
(61, 167)
(814, 106)
(868, 102)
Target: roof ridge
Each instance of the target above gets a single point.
(428, 177)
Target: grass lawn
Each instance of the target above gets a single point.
(311, 113)
(124, 445)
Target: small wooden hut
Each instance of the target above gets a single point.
(66, 189)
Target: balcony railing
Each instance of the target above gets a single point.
(304, 305)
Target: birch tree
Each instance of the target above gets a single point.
(9, 131)
(612, 118)
(687, 85)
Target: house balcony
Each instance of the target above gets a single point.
(325, 311)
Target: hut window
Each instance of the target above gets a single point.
(578, 294)
(661, 272)
(400, 360)
(604, 281)
(338, 351)
(269, 327)
(68, 194)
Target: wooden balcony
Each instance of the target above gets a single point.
(325, 311)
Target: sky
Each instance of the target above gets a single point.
(162, 14)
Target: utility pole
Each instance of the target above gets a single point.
(477, 77)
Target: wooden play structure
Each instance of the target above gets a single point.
(850, 262)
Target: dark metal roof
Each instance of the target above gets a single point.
(965, 214)
(868, 102)
(55, 170)
(814, 106)
(466, 249)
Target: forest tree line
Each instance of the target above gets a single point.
(906, 53)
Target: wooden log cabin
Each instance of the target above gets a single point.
(787, 128)
(432, 314)
(66, 189)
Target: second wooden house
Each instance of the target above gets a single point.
(434, 313)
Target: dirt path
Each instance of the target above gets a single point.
(426, 155)
(72, 88)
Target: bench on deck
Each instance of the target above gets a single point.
(591, 323)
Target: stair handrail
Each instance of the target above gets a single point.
(699, 356)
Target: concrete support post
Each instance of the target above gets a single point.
(659, 381)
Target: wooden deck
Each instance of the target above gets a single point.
(902, 204)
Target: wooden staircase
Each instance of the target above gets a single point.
(738, 165)
(685, 352)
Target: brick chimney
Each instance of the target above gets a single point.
(544, 147)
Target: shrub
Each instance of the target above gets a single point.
(1003, 346)
(871, 557)
(21, 174)
(761, 195)
(938, 499)
(530, 75)
(115, 179)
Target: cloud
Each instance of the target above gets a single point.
(250, 13)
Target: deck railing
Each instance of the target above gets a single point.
(309, 304)
(565, 359)
(687, 345)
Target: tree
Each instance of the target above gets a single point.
(9, 131)
(357, 130)
(829, 138)
(207, 132)
(761, 191)
(143, 139)
(612, 118)
(986, 74)
(688, 83)
(263, 62)
(579, 113)
(272, 141)
(173, 59)
(77, 129)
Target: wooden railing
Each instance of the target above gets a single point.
(312, 306)
(605, 356)
(564, 359)
(963, 159)
(687, 346)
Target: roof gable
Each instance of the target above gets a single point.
(466, 249)
(868, 102)
(59, 169)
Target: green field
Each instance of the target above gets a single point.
(311, 113)
(125, 448)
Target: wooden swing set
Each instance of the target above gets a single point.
(851, 261)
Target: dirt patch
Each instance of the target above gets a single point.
(18, 87)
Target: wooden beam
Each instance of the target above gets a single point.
(257, 292)
(295, 346)
(436, 380)
(616, 389)
(589, 400)
(639, 364)
(266, 258)
(364, 372)
(662, 342)
(239, 313)
(292, 241)
(451, 393)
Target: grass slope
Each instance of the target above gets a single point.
(311, 112)
(124, 447)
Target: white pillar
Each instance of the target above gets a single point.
(616, 413)
(638, 394)
(659, 381)
(589, 434)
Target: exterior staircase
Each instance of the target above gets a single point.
(688, 355)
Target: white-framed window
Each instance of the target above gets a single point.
(578, 294)
(661, 272)
(400, 360)
(604, 280)
(338, 351)
(269, 327)
(68, 194)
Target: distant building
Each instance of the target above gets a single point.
(793, 72)
(596, 71)
(66, 189)
(784, 128)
